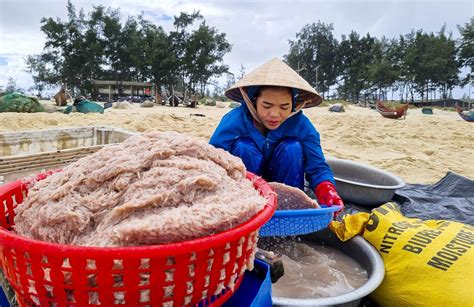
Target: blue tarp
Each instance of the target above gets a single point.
(85, 106)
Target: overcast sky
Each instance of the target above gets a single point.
(257, 30)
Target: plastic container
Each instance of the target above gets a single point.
(3, 299)
(298, 222)
(256, 288)
(29, 152)
(185, 273)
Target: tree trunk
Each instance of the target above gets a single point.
(427, 90)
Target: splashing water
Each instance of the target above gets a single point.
(314, 271)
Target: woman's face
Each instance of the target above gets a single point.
(273, 106)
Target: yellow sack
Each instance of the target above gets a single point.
(351, 226)
(427, 263)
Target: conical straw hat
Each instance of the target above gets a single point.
(276, 73)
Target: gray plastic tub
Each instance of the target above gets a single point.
(358, 249)
(363, 184)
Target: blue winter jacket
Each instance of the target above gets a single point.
(238, 123)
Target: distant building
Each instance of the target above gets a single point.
(128, 88)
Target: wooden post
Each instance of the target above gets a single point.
(185, 96)
(172, 95)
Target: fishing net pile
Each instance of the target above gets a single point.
(16, 102)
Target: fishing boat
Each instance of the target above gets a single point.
(392, 112)
(466, 115)
(427, 110)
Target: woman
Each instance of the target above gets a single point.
(270, 133)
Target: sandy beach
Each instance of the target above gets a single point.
(420, 149)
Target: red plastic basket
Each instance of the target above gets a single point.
(187, 273)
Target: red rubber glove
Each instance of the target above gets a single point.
(327, 195)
